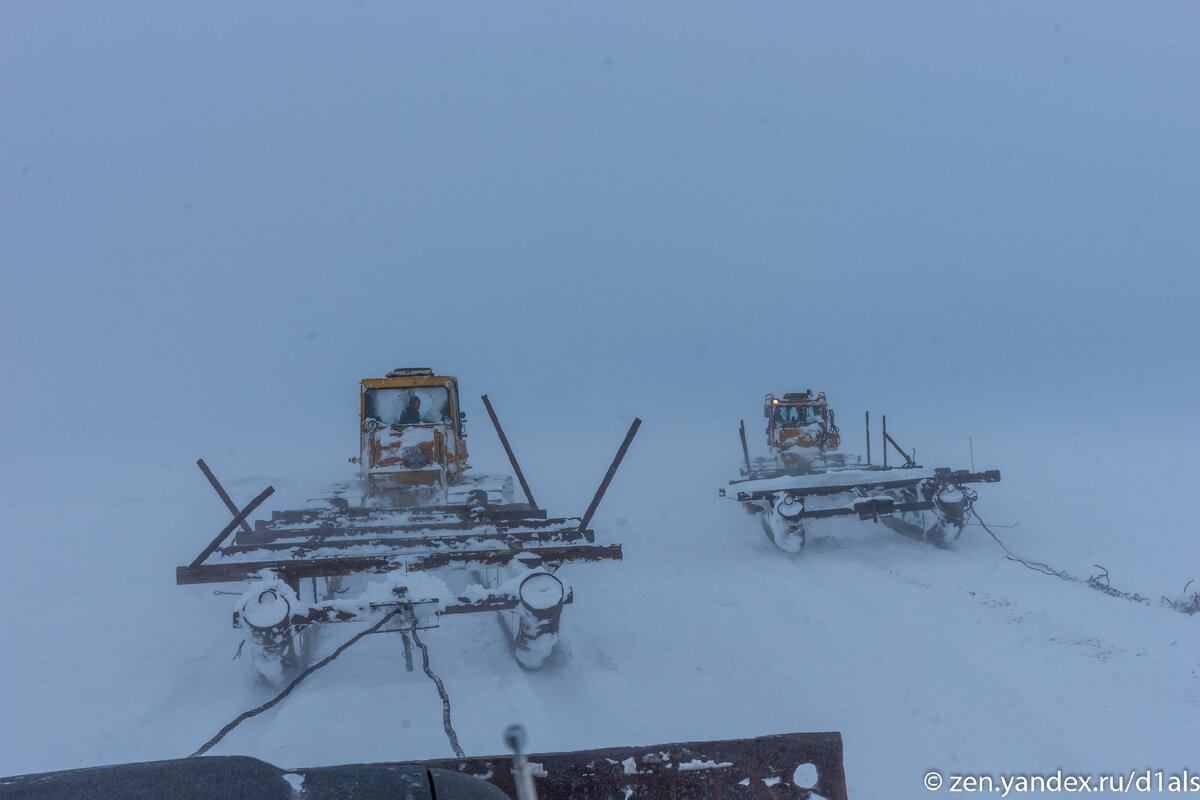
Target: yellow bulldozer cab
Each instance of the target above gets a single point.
(800, 421)
(411, 431)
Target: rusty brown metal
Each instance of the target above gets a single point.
(512, 458)
(220, 490)
(745, 448)
(608, 476)
(265, 534)
(763, 767)
(365, 539)
(960, 477)
(907, 460)
(299, 569)
(328, 613)
(238, 519)
(339, 516)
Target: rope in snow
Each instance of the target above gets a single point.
(450, 734)
(1098, 582)
(254, 712)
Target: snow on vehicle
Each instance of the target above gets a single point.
(438, 539)
(805, 479)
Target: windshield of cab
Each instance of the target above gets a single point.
(408, 405)
(799, 415)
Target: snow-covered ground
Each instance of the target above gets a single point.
(956, 660)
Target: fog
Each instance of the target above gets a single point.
(979, 219)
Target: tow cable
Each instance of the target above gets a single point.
(254, 712)
(1099, 582)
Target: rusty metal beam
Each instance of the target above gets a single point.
(763, 767)
(497, 514)
(908, 461)
(238, 519)
(326, 614)
(512, 458)
(745, 449)
(960, 477)
(220, 490)
(317, 540)
(330, 567)
(608, 476)
(265, 534)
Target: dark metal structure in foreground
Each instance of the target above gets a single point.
(793, 765)
(790, 765)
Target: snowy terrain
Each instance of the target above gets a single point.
(979, 219)
(923, 658)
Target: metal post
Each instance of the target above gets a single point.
(885, 441)
(608, 476)
(233, 509)
(868, 413)
(745, 449)
(512, 458)
(237, 520)
(971, 446)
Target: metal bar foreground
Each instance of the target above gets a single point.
(767, 766)
(716, 770)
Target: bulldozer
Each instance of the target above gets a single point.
(415, 536)
(413, 445)
(801, 432)
(805, 478)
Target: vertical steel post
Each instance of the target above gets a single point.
(745, 449)
(885, 441)
(868, 417)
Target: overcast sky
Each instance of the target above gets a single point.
(216, 219)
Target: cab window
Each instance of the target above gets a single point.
(420, 405)
(799, 415)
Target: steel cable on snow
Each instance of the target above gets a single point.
(254, 712)
(450, 734)
(1098, 582)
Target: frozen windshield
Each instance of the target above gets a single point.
(408, 406)
(798, 415)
